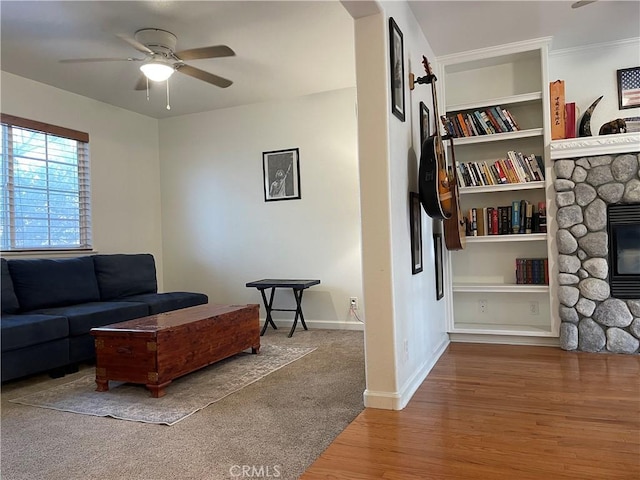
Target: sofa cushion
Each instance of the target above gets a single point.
(165, 302)
(85, 316)
(123, 275)
(42, 283)
(19, 331)
(41, 357)
(8, 299)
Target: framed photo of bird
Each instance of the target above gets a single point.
(281, 174)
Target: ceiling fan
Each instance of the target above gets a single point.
(161, 59)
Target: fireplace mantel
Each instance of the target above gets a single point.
(593, 146)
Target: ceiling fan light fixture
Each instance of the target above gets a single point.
(157, 69)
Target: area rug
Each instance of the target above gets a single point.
(184, 396)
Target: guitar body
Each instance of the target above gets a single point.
(433, 182)
(454, 232)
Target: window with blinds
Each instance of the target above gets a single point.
(45, 199)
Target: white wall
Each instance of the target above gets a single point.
(590, 72)
(402, 307)
(125, 173)
(218, 231)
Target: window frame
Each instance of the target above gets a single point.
(84, 188)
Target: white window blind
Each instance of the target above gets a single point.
(45, 200)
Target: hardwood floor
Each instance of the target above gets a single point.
(501, 412)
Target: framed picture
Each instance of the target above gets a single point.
(629, 88)
(437, 246)
(424, 123)
(396, 57)
(416, 232)
(281, 173)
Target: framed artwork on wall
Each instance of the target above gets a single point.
(629, 88)
(437, 246)
(416, 232)
(424, 124)
(281, 174)
(396, 58)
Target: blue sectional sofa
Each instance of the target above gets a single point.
(50, 305)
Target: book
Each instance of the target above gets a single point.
(570, 120)
(481, 219)
(495, 221)
(542, 217)
(473, 221)
(515, 216)
(528, 224)
(501, 173)
(556, 91)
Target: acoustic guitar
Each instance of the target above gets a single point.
(454, 231)
(433, 183)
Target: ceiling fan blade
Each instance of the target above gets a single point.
(205, 52)
(204, 76)
(87, 60)
(135, 44)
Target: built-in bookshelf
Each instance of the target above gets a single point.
(492, 298)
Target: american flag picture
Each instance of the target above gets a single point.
(629, 87)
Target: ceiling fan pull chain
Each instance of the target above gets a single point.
(168, 106)
(147, 87)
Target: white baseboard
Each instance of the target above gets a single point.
(399, 400)
(505, 339)
(319, 324)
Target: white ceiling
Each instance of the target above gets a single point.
(283, 49)
(456, 26)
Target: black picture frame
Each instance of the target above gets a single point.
(281, 175)
(628, 88)
(416, 232)
(396, 59)
(425, 129)
(437, 250)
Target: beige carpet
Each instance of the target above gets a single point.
(184, 396)
(285, 420)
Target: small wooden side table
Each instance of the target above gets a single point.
(298, 287)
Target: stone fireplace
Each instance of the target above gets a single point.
(592, 176)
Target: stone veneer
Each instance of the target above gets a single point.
(592, 320)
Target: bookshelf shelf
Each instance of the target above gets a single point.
(502, 188)
(499, 137)
(505, 101)
(516, 237)
(514, 79)
(502, 329)
(499, 288)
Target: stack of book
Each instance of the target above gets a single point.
(480, 122)
(516, 168)
(521, 217)
(532, 271)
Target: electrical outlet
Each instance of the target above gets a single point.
(483, 307)
(534, 308)
(353, 302)
(406, 350)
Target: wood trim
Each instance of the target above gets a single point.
(45, 127)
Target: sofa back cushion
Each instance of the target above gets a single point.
(41, 283)
(122, 275)
(8, 299)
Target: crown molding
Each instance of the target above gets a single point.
(594, 146)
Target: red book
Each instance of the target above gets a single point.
(503, 176)
(570, 120)
(494, 221)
